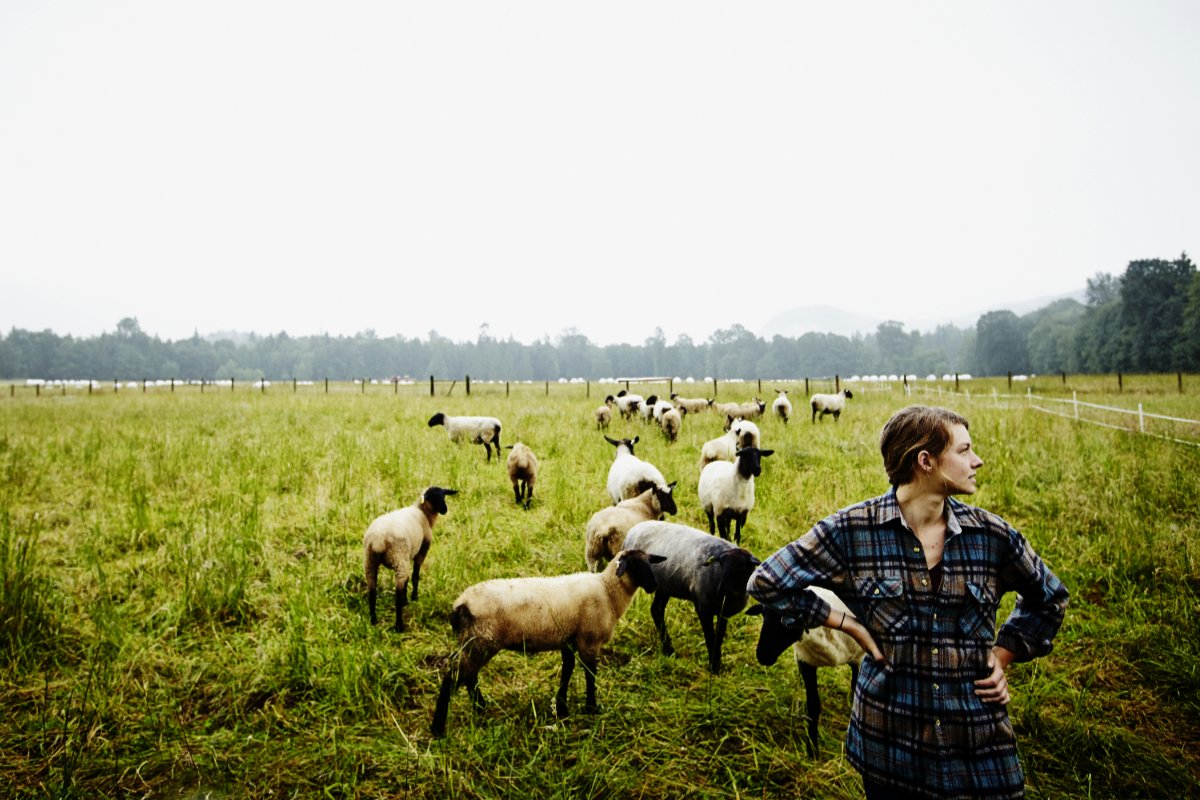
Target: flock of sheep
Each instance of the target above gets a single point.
(627, 546)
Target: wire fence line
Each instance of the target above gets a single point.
(1130, 420)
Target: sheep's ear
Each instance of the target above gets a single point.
(765, 453)
(636, 439)
(671, 485)
(449, 492)
(611, 441)
(622, 566)
(656, 559)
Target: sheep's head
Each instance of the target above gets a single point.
(436, 496)
(749, 461)
(628, 443)
(848, 393)
(666, 498)
(736, 564)
(637, 564)
(775, 637)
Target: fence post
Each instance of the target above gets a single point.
(806, 393)
(1120, 383)
(1064, 379)
(714, 388)
(760, 386)
(202, 382)
(431, 386)
(1141, 420)
(231, 383)
(293, 384)
(1075, 403)
(837, 383)
(956, 381)
(395, 387)
(547, 388)
(468, 383)
(262, 385)
(143, 385)
(364, 385)
(172, 386)
(588, 389)
(1010, 380)
(506, 388)
(327, 386)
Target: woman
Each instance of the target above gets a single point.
(923, 575)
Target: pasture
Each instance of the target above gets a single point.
(182, 608)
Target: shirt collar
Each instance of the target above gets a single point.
(890, 510)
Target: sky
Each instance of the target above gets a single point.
(524, 169)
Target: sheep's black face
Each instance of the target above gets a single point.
(637, 564)
(750, 461)
(617, 443)
(774, 638)
(666, 500)
(437, 419)
(736, 564)
(436, 497)
(849, 393)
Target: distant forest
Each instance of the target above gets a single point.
(1145, 320)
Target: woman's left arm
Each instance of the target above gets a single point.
(1042, 603)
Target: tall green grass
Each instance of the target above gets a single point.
(183, 608)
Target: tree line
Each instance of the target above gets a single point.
(1144, 320)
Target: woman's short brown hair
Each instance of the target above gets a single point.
(911, 430)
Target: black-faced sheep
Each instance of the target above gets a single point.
(823, 404)
(627, 403)
(522, 471)
(476, 430)
(708, 572)
(606, 529)
(692, 405)
(743, 433)
(727, 490)
(671, 421)
(813, 648)
(629, 475)
(782, 406)
(569, 613)
(752, 410)
(399, 540)
(603, 414)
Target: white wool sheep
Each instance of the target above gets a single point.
(522, 471)
(629, 475)
(671, 421)
(751, 410)
(823, 404)
(782, 406)
(476, 430)
(570, 613)
(812, 648)
(708, 572)
(606, 529)
(627, 403)
(743, 433)
(692, 405)
(660, 407)
(399, 540)
(727, 490)
(603, 414)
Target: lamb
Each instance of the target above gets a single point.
(671, 421)
(823, 404)
(692, 405)
(727, 490)
(605, 533)
(743, 433)
(627, 403)
(400, 541)
(522, 471)
(570, 613)
(476, 430)
(782, 406)
(813, 648)
(709, 572)
(603, 414)
(629, 475)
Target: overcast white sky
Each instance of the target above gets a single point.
(611, 167)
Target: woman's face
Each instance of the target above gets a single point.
(957, 465)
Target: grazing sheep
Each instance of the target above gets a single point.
(400, 541)
(671, 421)
(752, 410)
(604, 413)
(646, 409)
(627, 403)
(782, 406)
(812, 648)
(709, 572)
(727, 490)
(660, 407)
(692, 405)
(605, 534)
(476, 430)
(629, 475)
(743, 433)
(823, 404)
(522, 471)
(569, 613)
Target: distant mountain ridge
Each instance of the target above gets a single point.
(798, 321)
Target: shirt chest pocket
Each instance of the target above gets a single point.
(883, 597)
(977, 613)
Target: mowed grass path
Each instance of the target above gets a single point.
(183, 614)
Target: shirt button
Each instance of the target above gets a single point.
(876, 591)
(935, 651)
(924, 582)
(916, 549)
(937, 687)
(937, 722)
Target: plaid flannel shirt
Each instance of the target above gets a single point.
(917, 725)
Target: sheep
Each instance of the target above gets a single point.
(727, 490)
(606, 529)
(476, 430)
(603, 414)
(400, 541)
(627, 403)
(574, 613)
(812, 648)
(671, 421)
(629, 475)
(823, 404)
(522, 471)
(743, 433)
(709, 572)
(658, 408)
(752, 410)
(693, 405)
(782, 406)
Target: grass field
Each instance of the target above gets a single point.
(182, 608)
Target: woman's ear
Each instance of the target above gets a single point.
(925, 461)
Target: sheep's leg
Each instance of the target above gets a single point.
(812, 704)
(401, 599)
(442, 710)
(712, 525)
(712, 638)
(658, 612)
(836, 414)
(723, 526)
(589, 676)
(517, 491)
(568, 667)
(417, 562)
(371, 572)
